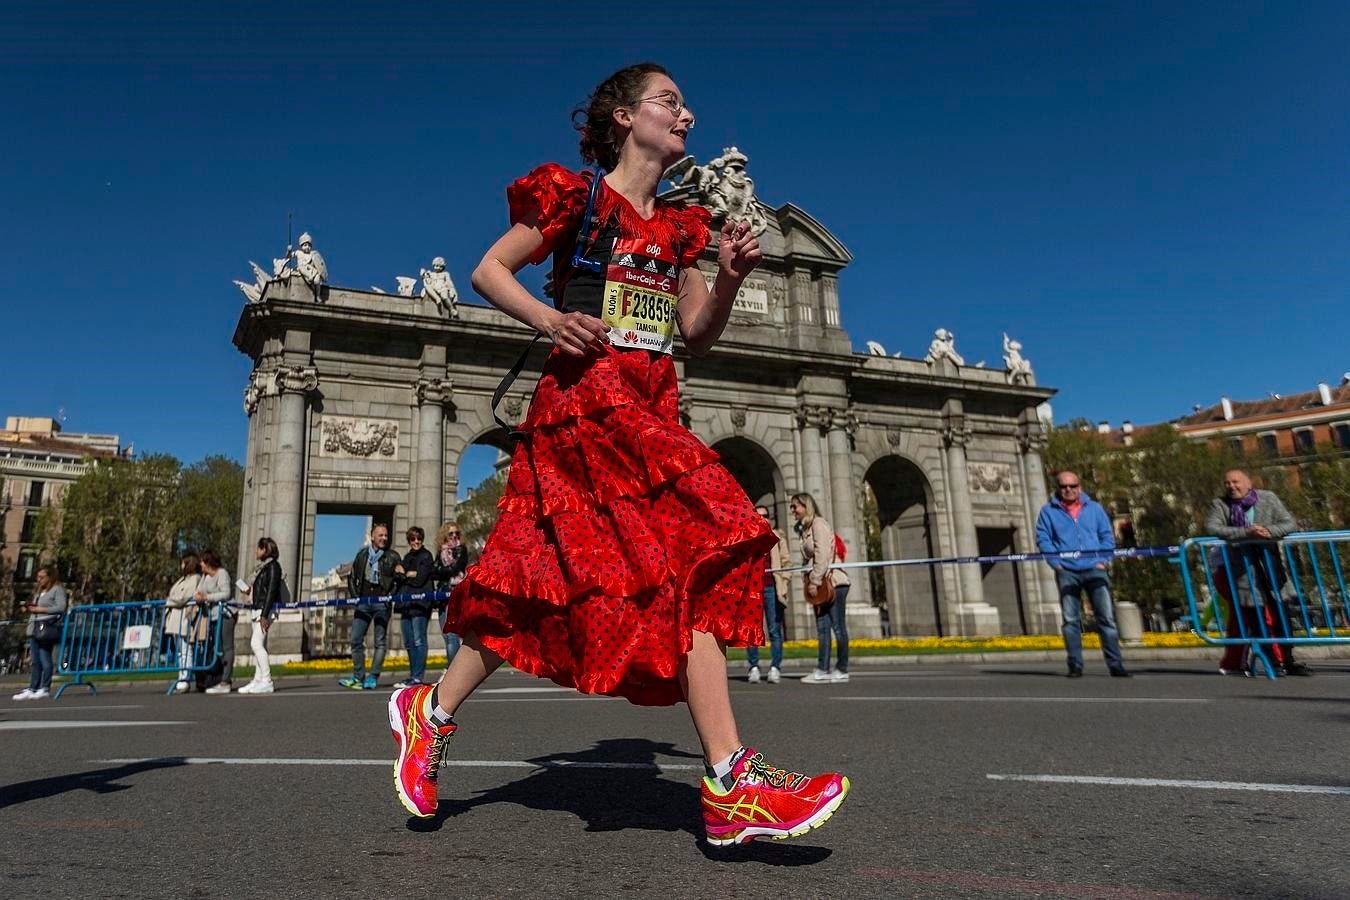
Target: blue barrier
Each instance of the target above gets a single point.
(1263, 593)
(391, 599)
(132, 638)
(1103, 555)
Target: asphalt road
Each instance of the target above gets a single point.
(1229, 788)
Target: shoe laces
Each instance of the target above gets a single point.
(440, 749)
(759, 770)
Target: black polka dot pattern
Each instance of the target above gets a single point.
(620, 535)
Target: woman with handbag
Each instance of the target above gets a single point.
(826, 589)
(44, 632)
(177, 623)
(452, 561)
(213, 598)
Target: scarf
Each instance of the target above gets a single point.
(1237, 509)
(373, 565)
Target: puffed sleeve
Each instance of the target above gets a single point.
(692, 224)
(559, 196)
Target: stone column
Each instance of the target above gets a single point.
(809, 422)
(976, 616)
(1031, 440)
(286, 494)
(843, 424)
(248, 535)
(428, 472)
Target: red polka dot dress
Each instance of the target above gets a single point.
(620, 533)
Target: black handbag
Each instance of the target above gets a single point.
(48, 632)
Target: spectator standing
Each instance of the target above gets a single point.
(818, 552)
(1072, 520)
(1252, 521)
(372, 576)
(452, 561)
(265, 594)
(44, 632)
(412, 575)
(214, 596)
(775, 591)
(177, 622)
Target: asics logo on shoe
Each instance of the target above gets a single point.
(742, 810)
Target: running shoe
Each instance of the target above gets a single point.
(371, 683)
(350, 681)
(766, 801)
(422, 748)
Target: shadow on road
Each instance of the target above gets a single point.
(586, 784)
(100, 781)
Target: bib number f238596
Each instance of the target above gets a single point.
(641, 292)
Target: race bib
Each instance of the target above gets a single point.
(641, 293)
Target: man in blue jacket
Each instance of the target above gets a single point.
(1074, 521)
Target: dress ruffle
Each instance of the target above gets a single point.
(557, 196)
(619, 535)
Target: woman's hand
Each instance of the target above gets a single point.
(264, 623)
(738, 251)
(576, 333)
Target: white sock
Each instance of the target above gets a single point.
(721, 771)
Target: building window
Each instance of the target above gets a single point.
(29, 528)
(1303, 438)
(26, 570)
(1341, 432)
(35, 491)
(1267, 443)
(1236, 444)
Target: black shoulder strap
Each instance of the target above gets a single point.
(514, 433)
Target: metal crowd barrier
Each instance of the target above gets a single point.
(131, 638)
(1267, 594)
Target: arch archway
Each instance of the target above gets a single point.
(907, 530)
(756, 471)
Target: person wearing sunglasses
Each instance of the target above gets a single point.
(1073, 521)
(625, 558)
(452, 559)
(412, 575)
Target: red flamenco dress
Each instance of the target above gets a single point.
(620, 533)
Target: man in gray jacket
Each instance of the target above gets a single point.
(1254, 520)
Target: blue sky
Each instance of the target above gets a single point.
(1151, 197)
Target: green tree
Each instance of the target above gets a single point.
(478, 514)
(1161, 484)
(115, 534)
(210, 497)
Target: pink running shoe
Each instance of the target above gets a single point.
(421, 749)
(768, 802)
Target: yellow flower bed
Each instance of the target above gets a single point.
(858, 646)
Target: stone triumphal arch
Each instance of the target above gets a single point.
(364, 401)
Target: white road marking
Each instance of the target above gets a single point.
(1178, 783)
(65, 708)
(384, 696)
(458, 763)
(525, 690)
(78, 723)
(967, 699)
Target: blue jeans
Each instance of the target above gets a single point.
(415, 640)
(831, 615)
(775, 632)
(361, 621)
(1097, 583)
(452, 640)
(42, 665)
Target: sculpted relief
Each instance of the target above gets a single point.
(346, 437)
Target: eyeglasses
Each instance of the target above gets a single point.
(674, 106)
(452, 534)
(1064, 487)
